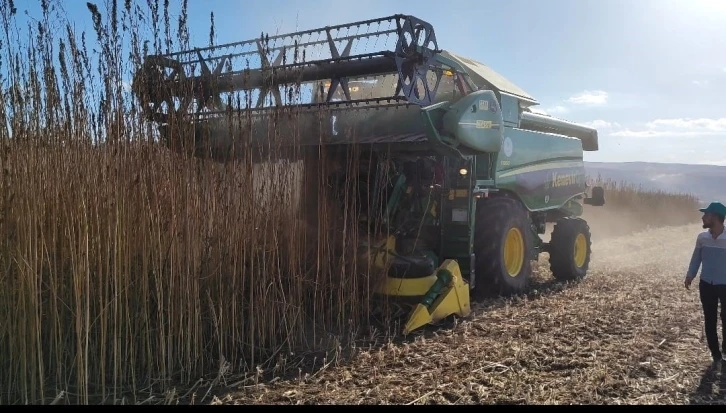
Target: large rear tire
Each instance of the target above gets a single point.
(570, 249)
(503, 247)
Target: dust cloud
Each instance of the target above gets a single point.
(629, 239)
(606, 223)
(613, 222)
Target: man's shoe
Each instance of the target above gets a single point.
(718, 363)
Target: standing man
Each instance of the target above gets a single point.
(710, 254)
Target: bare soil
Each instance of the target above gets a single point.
(630, 333)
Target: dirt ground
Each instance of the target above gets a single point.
(630, 333)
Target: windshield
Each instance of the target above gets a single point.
(451, 87)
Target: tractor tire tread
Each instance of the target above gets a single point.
(561, 258)
(494, 217)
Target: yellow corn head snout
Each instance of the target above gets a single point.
(442, 293)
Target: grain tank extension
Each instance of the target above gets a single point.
(470, 174)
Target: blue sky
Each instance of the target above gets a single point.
(649, 74)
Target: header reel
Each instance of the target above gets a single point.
(291, 71)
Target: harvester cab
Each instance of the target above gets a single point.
(463, 177)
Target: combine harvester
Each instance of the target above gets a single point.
(473, 174)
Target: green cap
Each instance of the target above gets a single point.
(715, 208)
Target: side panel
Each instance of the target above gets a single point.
(544, 170)
(510, 110)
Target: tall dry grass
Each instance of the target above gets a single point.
(128, 269)
(631, 208)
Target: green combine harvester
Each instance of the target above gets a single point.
(469, 174)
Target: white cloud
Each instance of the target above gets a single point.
(628, 133)
(596, 97)
(550, 111)
(601, 124)
(704, 124)
(585, 98)
(677, 127)
(700, 82)
(559, 109)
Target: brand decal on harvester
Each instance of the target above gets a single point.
(560, 179)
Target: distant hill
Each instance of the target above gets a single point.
(707, 182)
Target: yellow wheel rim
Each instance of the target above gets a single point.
(580, 250)
(514, 252)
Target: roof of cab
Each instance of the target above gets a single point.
(480, 72)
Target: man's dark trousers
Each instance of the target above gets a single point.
(710, 297)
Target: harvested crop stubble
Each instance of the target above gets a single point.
(629, 333)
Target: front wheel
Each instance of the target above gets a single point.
(570, 249)
(503, 245)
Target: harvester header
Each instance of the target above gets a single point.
(330, 56)
(345, 70)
